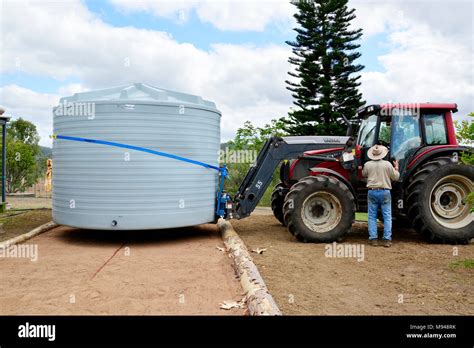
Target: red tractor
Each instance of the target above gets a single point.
(321, 189)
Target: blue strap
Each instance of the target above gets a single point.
(222, 170)
(138, 148)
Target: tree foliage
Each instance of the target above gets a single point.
(252, 137)
(465, 131)
(324, 84)
(23, 154)
(465, 136)
(24, 131)
(249, 139)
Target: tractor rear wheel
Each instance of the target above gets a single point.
(400, 222)
(319, 209)
(278, 198)
(436, 201)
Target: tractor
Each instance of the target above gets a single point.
(322, 186)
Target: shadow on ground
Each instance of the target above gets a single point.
(96, 237)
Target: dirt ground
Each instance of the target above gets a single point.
(102, 272)
(410, 278)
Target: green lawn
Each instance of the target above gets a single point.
(361, 216)
(466, 263)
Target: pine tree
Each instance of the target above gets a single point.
(325, 86)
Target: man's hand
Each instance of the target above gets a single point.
(395, 165)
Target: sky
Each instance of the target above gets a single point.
(230, 52)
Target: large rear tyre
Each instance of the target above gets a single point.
(277, 199)
(436, 201)
(319, 209)
(400, 222)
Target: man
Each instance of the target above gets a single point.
(379, 175)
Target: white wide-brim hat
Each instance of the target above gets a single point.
(377, 152)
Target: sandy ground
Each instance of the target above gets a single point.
(102, 272)
(410, 278)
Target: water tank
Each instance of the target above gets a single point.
(110, 188)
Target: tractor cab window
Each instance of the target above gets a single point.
(384, 133)
(435, 129)
(405, 135)
(367, 131)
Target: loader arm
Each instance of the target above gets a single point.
(274, 151)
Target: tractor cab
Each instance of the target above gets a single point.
(405, 129)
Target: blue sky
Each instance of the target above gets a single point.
(231, 52)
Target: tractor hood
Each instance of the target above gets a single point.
(323, 151)
(317, 139)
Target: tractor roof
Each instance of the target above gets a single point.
(372, 109)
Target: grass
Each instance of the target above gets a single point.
(12, 225)
(266, 200)
(466, 263)
(362, 216)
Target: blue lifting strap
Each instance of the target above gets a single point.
(222, 170)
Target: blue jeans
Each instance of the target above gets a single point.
(382, 199)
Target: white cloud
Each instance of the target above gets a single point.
(430, 51)
(376, 18)
(425, 61)
(259, 114)
(32, 106)
(71, 88)
(423, 64)
(451, 17)
(236, 77)
(233, 15)
(246, 15)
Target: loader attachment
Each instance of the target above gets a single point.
(274, 151)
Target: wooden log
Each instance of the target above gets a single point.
(259, 300)
(21, 238)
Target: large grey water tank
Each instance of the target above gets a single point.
(104, 187)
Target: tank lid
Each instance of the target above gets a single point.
(138, 92)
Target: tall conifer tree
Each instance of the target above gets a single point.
(325, 83)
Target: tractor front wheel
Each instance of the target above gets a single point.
(278, 198)
(319, 209)
(437, 201)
